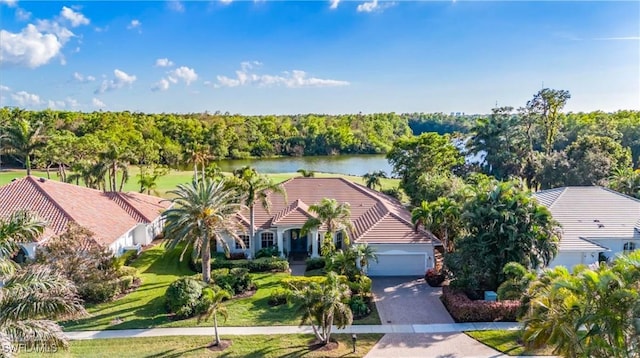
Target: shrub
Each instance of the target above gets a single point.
(236, 280)
(126, 258)
(237, 256)
(358, 306)
(434, 278)
(300, 282)
(361, 285)
(268, 252)
(268, 264)
(125, 283)
(101, 291)
(219, 272)
(182, 297)
(128, 271)
(279, 296)
(315, 263)
(462, 309)
(318, 272)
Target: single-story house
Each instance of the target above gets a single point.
(378, 220)
(594, 220)
(118, 221)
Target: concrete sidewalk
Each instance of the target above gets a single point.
(269, 330)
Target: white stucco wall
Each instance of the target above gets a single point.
(616, 245)
(569, 259)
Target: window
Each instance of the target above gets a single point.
(629, 246)
(245, 239)
(266, 239)
(339, 240)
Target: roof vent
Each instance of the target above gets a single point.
(14, 179)
(596, 221)
(42, 180)
(600, 226)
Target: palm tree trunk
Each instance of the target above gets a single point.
(215, 328)
(195, 171)
(206, 259)
(114, 177)
(27, 163)
(122, 180)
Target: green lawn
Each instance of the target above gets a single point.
(171, 180)
(508, 342)
(144, 308)
(190, 346)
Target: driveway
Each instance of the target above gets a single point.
(440, 345)
(402, 300)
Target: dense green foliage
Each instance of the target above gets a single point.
(182, 297)
(587, 313)
(502, 225)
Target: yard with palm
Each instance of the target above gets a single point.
(145, 307)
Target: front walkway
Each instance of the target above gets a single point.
(270, 330)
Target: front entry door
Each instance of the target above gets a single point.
(298, 242)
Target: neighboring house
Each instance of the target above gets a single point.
(117, 220)
(378, 220)
(594, 220)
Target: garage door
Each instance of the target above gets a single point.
(398, 265)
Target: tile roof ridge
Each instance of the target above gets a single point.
(563, 190)
(296, 204)
(618, 193)
(34, 182)
(127, 203)
(594, 243)
(372, 216)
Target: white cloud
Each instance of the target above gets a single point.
(134, 24)
(22, 14)
(624, 38)
(81, 78)
(75, 18)
(161, 85)
(9, 3)
(30, 47)
(97, 103)
(164, 62)
(4, 88)
(226, 2)
(187, 74)
(175, 5)
(71, 102)
(121, 79)
(373, 5)
(54, 27)
(23, 99)
(246, 76)
(55, 104)
(334, 4)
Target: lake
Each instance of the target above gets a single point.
(340, 164)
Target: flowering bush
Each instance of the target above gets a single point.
(462, 309)
(434, 278)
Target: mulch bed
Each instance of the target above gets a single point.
(316, 345)
(246, 294)
(224, 344)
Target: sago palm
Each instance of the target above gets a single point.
(202, 213)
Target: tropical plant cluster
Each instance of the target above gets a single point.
(463, 309)
(96, 273)
(263, 264)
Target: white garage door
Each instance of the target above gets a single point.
(398, 265)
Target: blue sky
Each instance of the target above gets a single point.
(264, 57)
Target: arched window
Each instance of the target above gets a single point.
(266, 239)
(245, 239)
(339, 240)
(629, 246)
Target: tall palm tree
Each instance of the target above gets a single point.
(255, 189)
(372, 180)
(211, 303)
(324, 304)
(199, 155)
(22, 139)
(203, 212)
(626, 181)
(31, 299)
(443, 217)
(335, 216)
(116, 160)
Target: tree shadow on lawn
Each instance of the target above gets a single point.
(172, 353)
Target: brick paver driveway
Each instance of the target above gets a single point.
(402, 300)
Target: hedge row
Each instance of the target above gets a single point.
(264, 264)
(462, 309)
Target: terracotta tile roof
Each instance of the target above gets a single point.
(107, 215)
(376, 217)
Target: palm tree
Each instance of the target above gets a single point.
(199, 155)
(211, 306)
(336, 217)
(626, 181)
(324, 304)
(21, 140)
(255, 188)
(442, 217)
(203, 211)
(31, 299)
(372, 180)
(116, 160)
(365, 253)
(306, 173)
